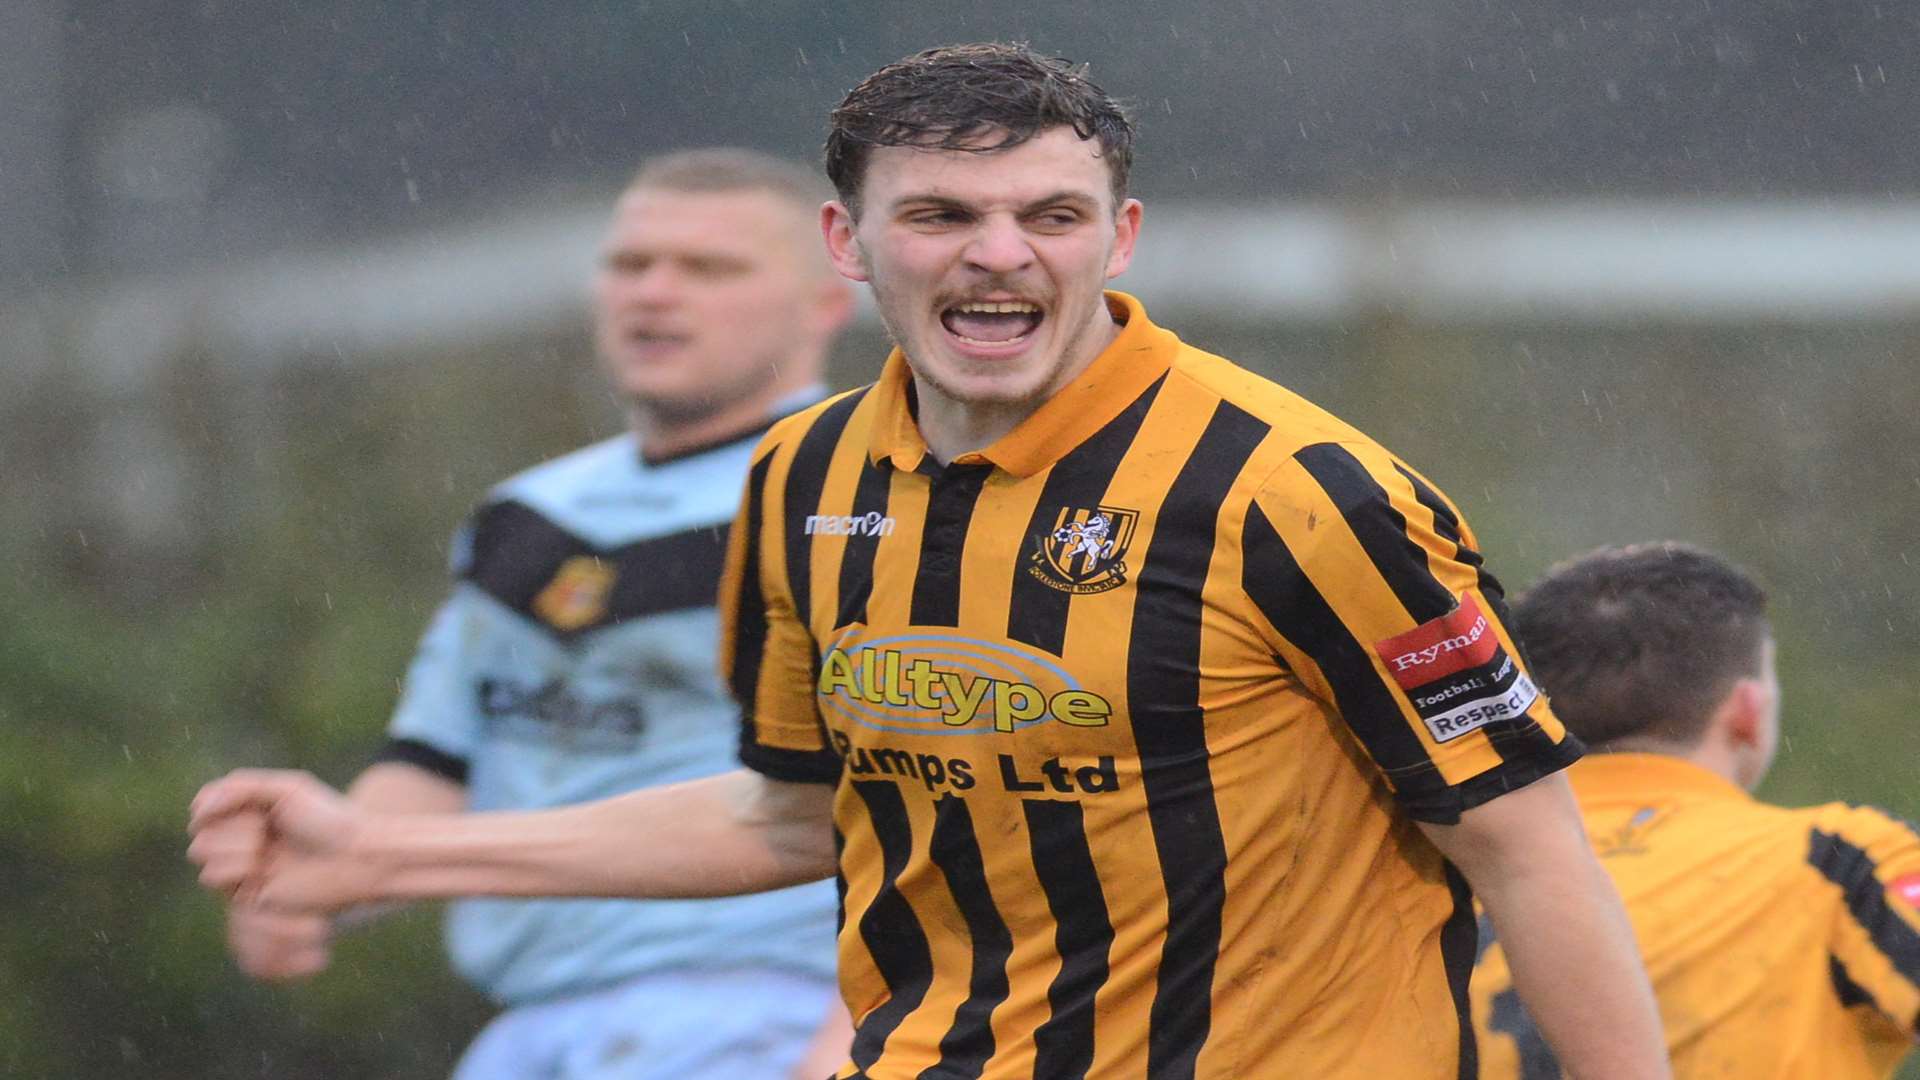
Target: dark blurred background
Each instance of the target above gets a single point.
(284, 287)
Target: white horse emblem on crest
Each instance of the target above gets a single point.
(1091, 538)
(1083, 551)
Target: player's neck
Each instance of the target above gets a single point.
(952, 428)
(669, 436)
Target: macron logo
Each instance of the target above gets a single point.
(872, 523)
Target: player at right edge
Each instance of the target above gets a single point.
(1782, 943)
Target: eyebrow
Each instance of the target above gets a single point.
(617, 256)
(1076, 198)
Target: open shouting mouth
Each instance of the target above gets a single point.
(992, 324)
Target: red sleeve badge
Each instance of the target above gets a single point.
(1457, 674)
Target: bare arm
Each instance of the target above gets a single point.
(1567, 938)
(738, 832)
(394, 787)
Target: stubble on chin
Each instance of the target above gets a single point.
(692, 406)
(674, 412)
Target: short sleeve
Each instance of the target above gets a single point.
(1871, 864)
(1374, 595)
(767, 653)
(436, 725)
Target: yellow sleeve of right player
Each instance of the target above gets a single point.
(1872, 860)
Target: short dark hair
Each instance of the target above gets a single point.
(721, 169)
(1640, 643)
(979, 97)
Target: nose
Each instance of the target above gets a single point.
(657, 284)
(652, 285)
(999, 246)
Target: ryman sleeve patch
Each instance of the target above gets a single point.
(1457, 674)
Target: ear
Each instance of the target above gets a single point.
(1126, 230)
(843, 244)
(1743, 714)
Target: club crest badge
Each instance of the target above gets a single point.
(1086, 550)
(577, 596)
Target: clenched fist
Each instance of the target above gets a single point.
(279, 841)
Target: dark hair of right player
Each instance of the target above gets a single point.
(1637, 644)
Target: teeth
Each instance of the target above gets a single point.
(999, 307)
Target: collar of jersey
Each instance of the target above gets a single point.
(1600, 778)
(1122, 372)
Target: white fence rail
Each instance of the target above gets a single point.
(1597, 261)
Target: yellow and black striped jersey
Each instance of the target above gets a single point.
(1781, 943)
(1130, 714)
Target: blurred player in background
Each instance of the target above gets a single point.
(1155, 720)
(1781, 943)
(575, 658)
